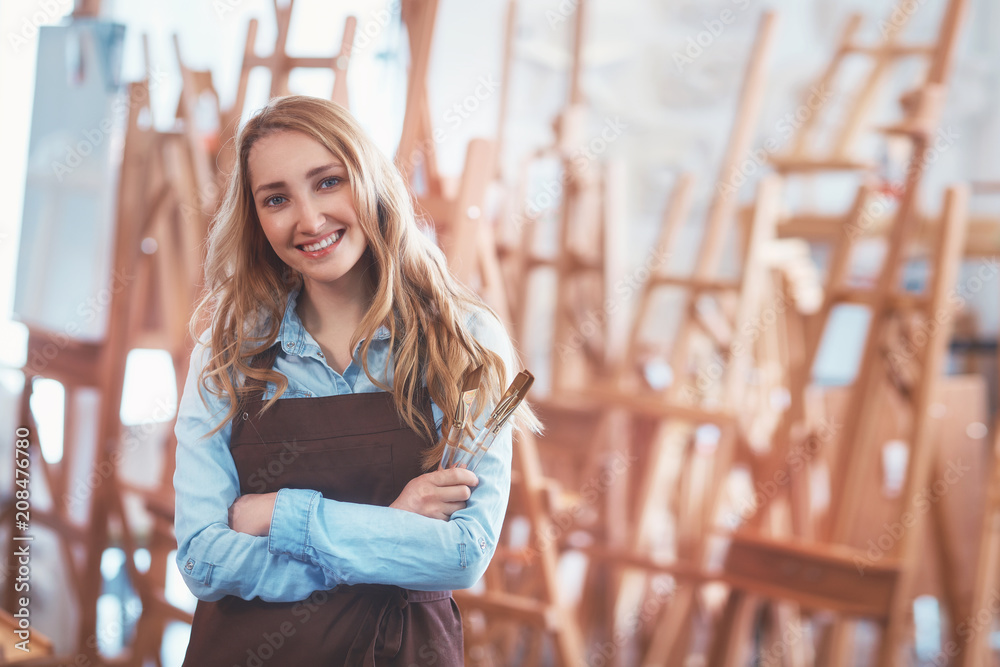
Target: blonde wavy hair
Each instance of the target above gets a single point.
(415, 297)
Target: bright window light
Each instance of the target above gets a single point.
(927, 628)
(176, 591)
(150, 390)
(143, 559)
(176, 637)
(14, 351)
(112, 561)
(48, 405)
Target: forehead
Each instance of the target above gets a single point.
(286, 154)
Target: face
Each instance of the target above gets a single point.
(306, 208)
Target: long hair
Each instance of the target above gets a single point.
(424, 307)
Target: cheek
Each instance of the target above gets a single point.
(270, 227)
(364, 246)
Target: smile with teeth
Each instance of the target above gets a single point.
(329, 240)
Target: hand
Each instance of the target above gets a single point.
(251, 513)
(437, 494)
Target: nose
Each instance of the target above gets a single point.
(311, 218)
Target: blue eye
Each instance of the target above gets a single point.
(270, 200)
(333, 179)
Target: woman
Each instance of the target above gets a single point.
(307, 522)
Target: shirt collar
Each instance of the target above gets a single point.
(293, 336)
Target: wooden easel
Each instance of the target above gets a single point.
(888, 605)
(807, 159)
(829, 578)
(280, 66)
(456, 211)
(675, 412)
(159, 199)
(204, 150)
(179, 226)
(587, 260)
(156, 169)
(522, 603)
(824, 144)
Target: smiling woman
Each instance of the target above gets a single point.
(310, 222)
(337, 333)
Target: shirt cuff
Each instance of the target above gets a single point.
(198, 571)
(289, 532)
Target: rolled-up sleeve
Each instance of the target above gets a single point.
(213, 559)
(359, 543)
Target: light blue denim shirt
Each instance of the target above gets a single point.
(316, 543)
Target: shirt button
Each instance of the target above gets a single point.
(320, 354)
(189, 565)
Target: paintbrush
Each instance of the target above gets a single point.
(470, 389)
(512, 398)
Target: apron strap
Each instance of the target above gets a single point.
(261, 361)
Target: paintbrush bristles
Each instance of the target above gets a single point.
(472, 379)
(522, 383)
(470, 388)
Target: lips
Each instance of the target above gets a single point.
(322, 244)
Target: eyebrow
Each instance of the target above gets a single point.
(309, 174)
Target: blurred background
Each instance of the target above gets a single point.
(749, 249)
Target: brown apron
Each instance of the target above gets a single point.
(353, 448)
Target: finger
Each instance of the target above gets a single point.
(450, 508)
(455, 476)
(454, 494)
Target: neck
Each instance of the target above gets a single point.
(334, 308)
